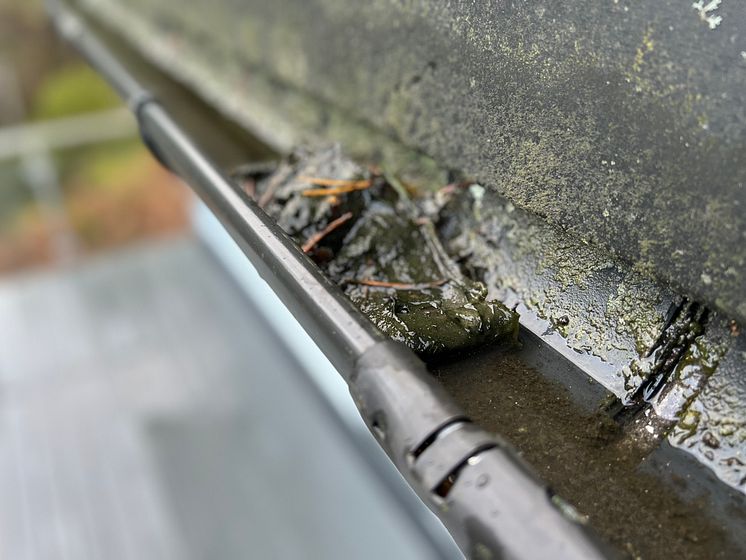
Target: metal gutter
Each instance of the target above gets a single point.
(486, 497)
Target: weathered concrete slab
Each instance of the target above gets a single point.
(623, 123)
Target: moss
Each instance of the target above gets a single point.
(530, 100)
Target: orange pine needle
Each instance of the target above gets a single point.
(334, 224)
(332, 192)
(323, 182)
(397, 285)
(338, 186)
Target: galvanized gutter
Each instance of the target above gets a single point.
(486, 497)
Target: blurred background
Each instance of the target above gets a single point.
(76, 180)
(156, 398)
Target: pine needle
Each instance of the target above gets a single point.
(334, 224)
(397, 285)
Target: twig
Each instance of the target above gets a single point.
(334, 224)
(396, 285)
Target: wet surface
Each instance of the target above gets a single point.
(605, 326)
(713, 426)
(599, 313)
(364, 231)
(659, 507)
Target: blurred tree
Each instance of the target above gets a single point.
(29, 45)
(73, 89)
